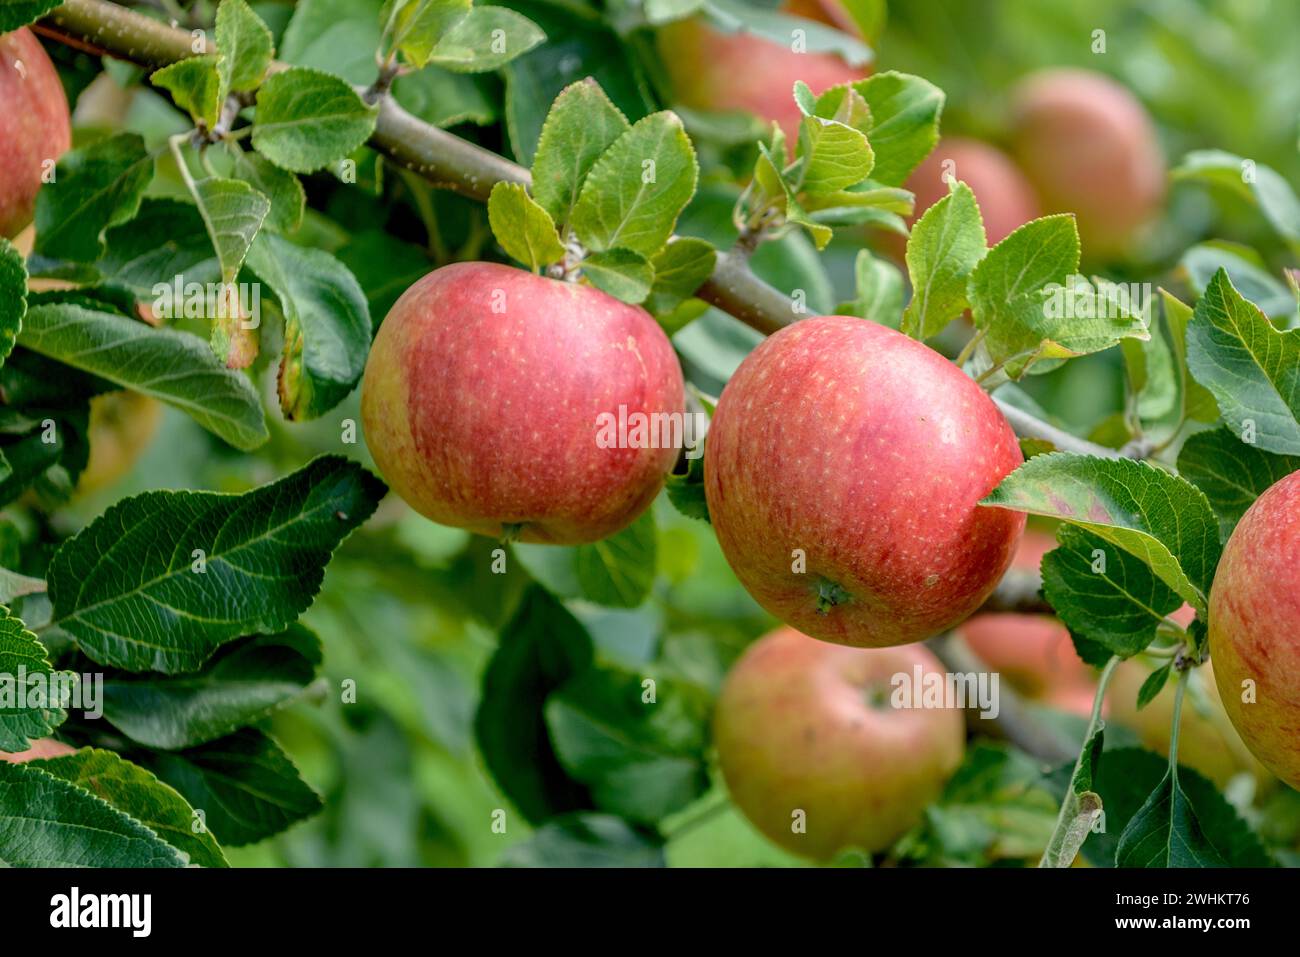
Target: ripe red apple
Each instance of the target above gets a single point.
(712, 70)
(805, 726)
(44, 748)
(34, 126)
(842, 471)
(1006, 199)
(1255, 628)
(1089, 148)
(483, 395)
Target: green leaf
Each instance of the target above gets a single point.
(166, 239)
(835, 156)
(416, 26)
(140, 796)
(1154, 684)
(625, 275)
(995, 807)
(1161, 519)
(619, 571)
(100, 186)
(175, 367)
(327, 325)
(1258, 183)
(46, 821)
(679, 270)
(585, 840)
(1198, 402)
(1124, 779)
(541, 648)
(1104, 593)
(641, 750)
(1249, 275)
(523, 227)
(905, 113)
(636, 189)
(246, 47)
(879, 286)
(1231, 473)
(582, 124)
(686, 491)
(487, 38)
(40, 710)
(337, 36)
(161, 580)
(1166, 833)
(13, 296)
(245, 786)
(233, 213)
(195, 86)
(946, 245)
(242, 684)
(19, 13)
(307, 119)
(1082, 807)
(282, 188)
(761, 20)
(1252, 369)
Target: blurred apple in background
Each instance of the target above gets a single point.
(717, 71)
(815, 754)
(1089, 148)
(1006, 198)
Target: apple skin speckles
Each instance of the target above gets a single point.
(873, 481)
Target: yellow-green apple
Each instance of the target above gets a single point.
(1255, 628)
(816, 755)
(34, 126)
(1206, 741)
(1006, 199)
(842, 471)
(713, 70)
(1089, 148)
(122, 424)
(485, 397)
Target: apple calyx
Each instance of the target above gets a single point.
(830, 594)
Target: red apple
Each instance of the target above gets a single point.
(842, 471)
(1255, 628)
(712, 70)
(1089, 148)
(484, 394)
(1006, 199)
(805, 726)
(34, 126)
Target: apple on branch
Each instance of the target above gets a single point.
(842, 471)
(34, 126)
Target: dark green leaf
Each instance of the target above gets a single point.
(538, 650)
(46, 821)
(1231, 473)
(244, 785)
(13, 296)
(25, 668)
(307, 119)
(142, 797)
(585, 840)
(245, 44)
(175, 367)
(129, 589)
(100, 186)
(619, 571)
(244, 683)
